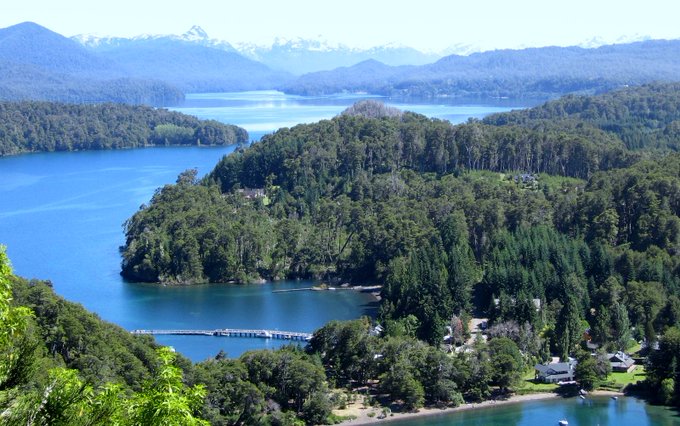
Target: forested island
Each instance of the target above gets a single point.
(30, 126)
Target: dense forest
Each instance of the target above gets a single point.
(555, 229)
(498, 216)
(46, 126)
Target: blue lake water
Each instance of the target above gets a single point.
(61, 217)
(596, 411)
(261, 112)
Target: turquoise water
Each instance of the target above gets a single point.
(61, 216)
(597, 411)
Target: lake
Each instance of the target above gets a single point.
(261, 112)
(593, 411)
(61, 218)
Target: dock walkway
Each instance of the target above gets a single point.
(233, 332)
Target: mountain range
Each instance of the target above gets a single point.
(36, 63)
(544, 72)
(295, 56)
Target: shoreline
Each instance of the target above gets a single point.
(363, 418)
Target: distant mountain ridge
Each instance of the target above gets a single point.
(39, 64)
(192, 61)
(528, 73)
(296, 56)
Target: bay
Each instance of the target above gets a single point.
(593, 411)
(61, 217)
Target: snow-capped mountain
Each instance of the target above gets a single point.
(196, 35)
(601, 41)
(300, 56)
(295, 55)
(192, 61)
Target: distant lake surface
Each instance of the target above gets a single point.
(595, 411)
(61, 217)
(261, 112)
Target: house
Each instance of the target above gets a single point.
(251, 193)
(556, 372)
(621, 362)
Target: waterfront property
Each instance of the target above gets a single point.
(621, 362)
(556, 372)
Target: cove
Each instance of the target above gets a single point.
(61, 217)
(593, 411)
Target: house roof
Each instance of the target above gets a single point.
(620, 359)
(555, 369)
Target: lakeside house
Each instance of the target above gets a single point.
(621, 362)
(556, 372)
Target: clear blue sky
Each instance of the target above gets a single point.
(424, 24)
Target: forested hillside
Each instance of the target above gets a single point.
(446, 217)
(43, 126)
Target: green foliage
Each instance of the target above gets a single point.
(663, 369)
(44, 126)
(75, 338)
(13, 324)
(165, 400)
(506, 362)
(428, 210)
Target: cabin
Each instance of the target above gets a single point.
(621, 362)
(557, 372)
(251, 193)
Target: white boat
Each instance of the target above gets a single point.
(615, 398)
(563, 422)
(582, 397)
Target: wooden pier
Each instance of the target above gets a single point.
(233, 332)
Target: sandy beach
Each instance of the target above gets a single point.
(363, 417)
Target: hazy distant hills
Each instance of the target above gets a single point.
(38, 64)
(528, 73)
(297, 56)
(301, 56)
(193, 62)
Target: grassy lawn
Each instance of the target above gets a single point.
(617, 381)
(528, 385)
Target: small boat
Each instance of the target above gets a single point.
(582, 397)
(615, 398)
(563, 422)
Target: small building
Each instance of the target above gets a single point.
(556, 372)
(251, 193)
(621, 362)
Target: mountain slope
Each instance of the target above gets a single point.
(39, 64)
(30, 44)
(192, 61)
(301, 56)
(193, 67)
